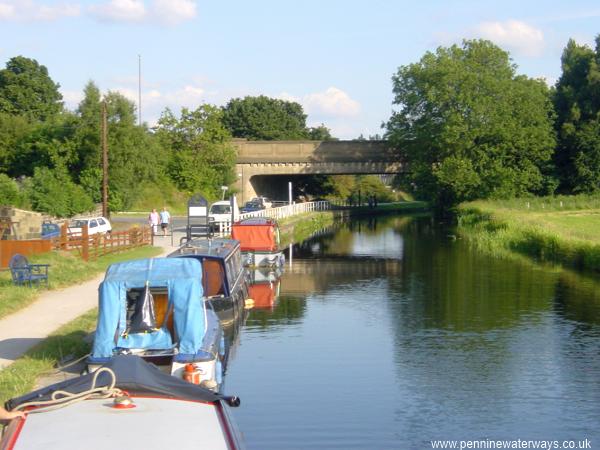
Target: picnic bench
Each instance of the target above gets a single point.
(24, 273)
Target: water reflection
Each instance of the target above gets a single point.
(412, 336)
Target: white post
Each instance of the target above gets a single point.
(289, 193)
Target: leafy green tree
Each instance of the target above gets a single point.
(340, 186)
(9, 191)
(320, 133)
(53, 192)
(371, 185)
(469, 127)
(27, 89)
(13, 129)
(87, 134)
(135, 155)
(577, 103)
(264, 118)
(47, 144)
(202, 157)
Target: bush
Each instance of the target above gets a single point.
(53, 192)
(9, 191)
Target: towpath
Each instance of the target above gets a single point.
(25, 328)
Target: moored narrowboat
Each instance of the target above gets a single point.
(156, 309)
(224, 279)
(127, 403)
(259, 241)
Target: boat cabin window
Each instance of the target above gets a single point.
(213, 277)
(160, 307)
(234, 266)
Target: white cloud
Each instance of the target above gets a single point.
(168, 12)
(7, 11)
(333, 102)
(515, 35)
(29, 10)
(173, 12)
(120, 11)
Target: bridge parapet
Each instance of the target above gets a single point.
(313, 151)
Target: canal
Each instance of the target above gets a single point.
(389, 333)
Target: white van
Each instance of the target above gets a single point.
(220, 212)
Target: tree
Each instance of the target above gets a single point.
(9, 191)
(47, 144)
(202, 157)
(577, 103)
(469, 127)
(135, 156)
(320, 133)
(13, 129)
(27, 89)
(53, 192)
(264, 118)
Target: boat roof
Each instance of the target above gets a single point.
(176, 408)
(219, 248)
(152, 424)
(256, 221)
(156, 271)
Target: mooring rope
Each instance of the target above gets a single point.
(60, 399)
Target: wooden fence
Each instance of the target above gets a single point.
(26, 248)
(95, 245)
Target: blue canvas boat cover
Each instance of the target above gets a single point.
(182, 277)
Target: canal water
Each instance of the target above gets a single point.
(389, 333)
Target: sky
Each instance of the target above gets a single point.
(335, 57)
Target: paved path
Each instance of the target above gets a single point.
(25, 328)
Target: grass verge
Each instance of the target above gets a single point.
(298, 228)
(20, 377)
(561, 231)
(65, 270)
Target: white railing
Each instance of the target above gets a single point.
(280, 212)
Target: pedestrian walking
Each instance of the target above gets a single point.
(153, 220)
(165, 218)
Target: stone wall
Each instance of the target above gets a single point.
(23, 224)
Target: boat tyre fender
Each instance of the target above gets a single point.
(232, 401)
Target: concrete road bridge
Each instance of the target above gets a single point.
(265, 167)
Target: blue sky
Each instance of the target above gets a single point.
(334, 57)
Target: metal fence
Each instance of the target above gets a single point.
(280, 212)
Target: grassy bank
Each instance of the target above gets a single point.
(298, 228)
(20, 377)
(65, 270)
(555, 229)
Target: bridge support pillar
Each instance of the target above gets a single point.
(243, 185)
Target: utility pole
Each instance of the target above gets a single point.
(140, 90)
(105, 212)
